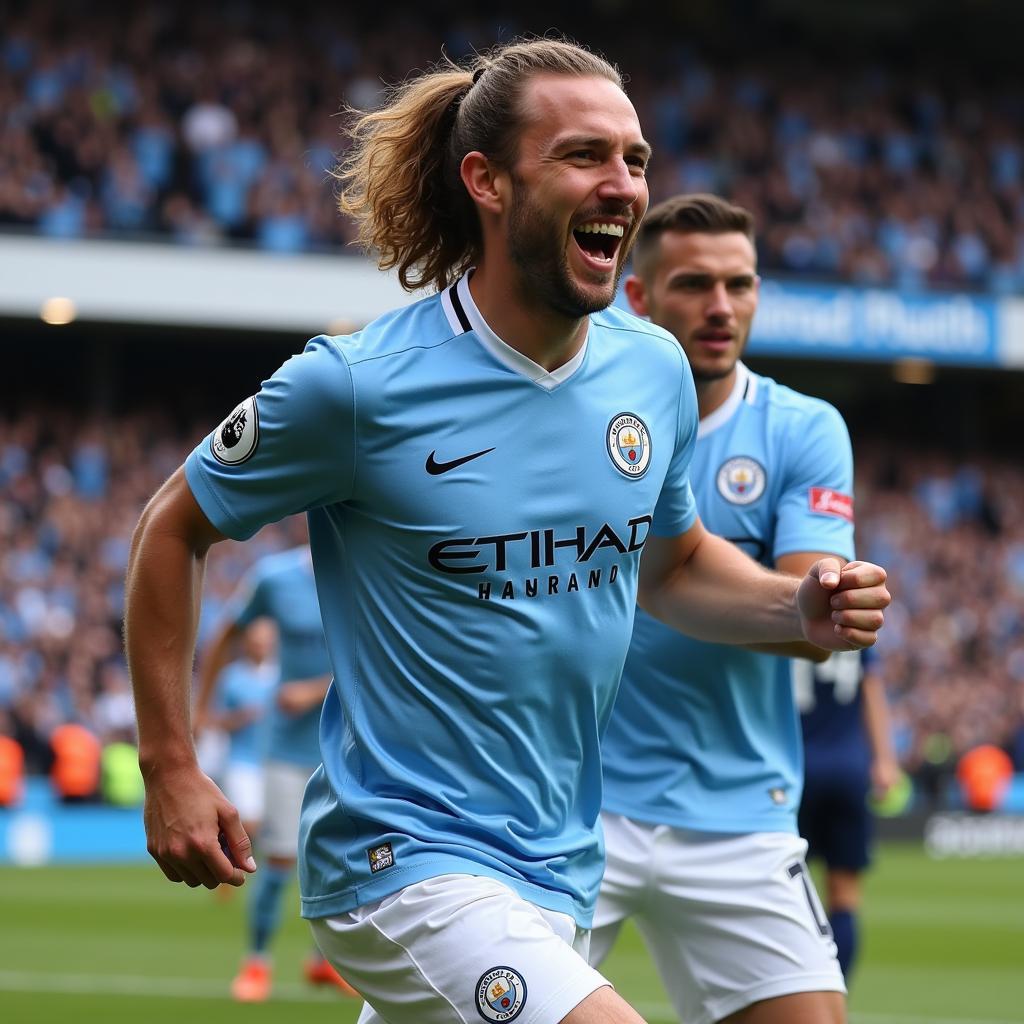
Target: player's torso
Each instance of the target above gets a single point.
(705, 736)
(490, 552)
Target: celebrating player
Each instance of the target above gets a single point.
(481, 471)
(702, 755)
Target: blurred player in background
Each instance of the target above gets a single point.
(702, 754)
(278, 592)
(848, 757)
(481, 470)
(235, 698)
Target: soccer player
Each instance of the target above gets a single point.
(848, 755)
(702, 760)
(279, 590)
(234, 697)
(481, 470)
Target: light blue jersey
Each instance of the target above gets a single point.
(281, 587)
(476, 525)
(706, 736)
(245, 686)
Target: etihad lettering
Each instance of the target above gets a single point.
(491, 553)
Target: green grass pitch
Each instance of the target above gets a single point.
(943, 943)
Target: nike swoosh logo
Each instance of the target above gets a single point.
(437, 468)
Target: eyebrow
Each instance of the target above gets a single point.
(641, 148)
(703, 276)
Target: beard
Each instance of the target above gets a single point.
(537, 251)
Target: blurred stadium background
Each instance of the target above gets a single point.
(167, 238)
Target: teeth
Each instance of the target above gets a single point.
(601, 229)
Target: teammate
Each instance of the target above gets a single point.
(280, 591)
(702, 754)
(235, 698)
(481, 471)
(848, 756)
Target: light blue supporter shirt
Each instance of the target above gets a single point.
(281, 587)
(707, 736)
(245, 686)
(476, 525)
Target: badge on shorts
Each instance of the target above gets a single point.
(500, 994)
(380, 857)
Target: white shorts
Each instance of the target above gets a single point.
(283, 786)
(243, 786)
(729, 919)
(459, 948)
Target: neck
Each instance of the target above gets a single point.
(711, 394)
(541, 334)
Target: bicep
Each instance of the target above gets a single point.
(174, 511)
(663, 558)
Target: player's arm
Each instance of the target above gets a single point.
(798, 564)
(213, 662)
(885, 767)
(186, 814)
(300, 695)
(702, 585)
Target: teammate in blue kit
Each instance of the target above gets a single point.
(848, 756)
(481, 470)
(235, 698)
(279, 588)
(702, 760)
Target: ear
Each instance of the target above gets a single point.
(483, 182)
(637, 295)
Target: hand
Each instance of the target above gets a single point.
(841, 606)
(885, 773)
(192, 831)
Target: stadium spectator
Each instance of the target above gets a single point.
(134, 121)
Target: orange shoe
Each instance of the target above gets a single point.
(252, 983)
(320, 972)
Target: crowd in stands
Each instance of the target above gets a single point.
(950, 535)
(220, 123)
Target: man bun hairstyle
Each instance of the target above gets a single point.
(691, 213)
(400, 180)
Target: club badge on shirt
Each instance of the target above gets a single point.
(629, 444)
(741, 480)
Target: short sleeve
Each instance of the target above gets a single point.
(815, 508)
(676, 510)
(287, 449)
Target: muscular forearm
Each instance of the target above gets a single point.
(161, 615)
(162, 598)
(720, 595)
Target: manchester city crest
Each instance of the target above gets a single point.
(500, 994)
(629, 444)
(235, 439)
(741, 480)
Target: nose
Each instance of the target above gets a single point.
(719, 307)
(620, 184)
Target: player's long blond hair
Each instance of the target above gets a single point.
(400, 180)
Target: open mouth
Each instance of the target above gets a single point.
(600, 240)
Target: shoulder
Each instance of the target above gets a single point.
(422, 325)
(795, 409)
(623, 331)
